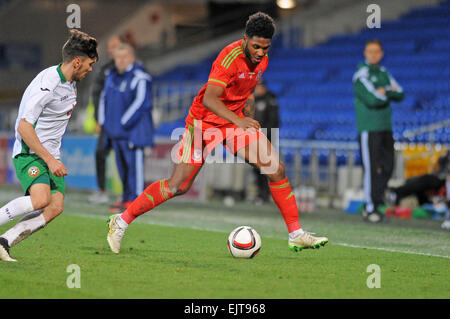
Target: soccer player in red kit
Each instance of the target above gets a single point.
(222, 113)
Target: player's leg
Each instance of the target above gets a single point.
(35, 221)
(119, 147)
(137, 173)
(35, 182)
(154, 195)
(17, 207)
(261, 154)
(373, 158)
(52, 196)
(100, 160)
(160, 191)
(264, 158)
(101, 153)
(183, 175)
(128, 156)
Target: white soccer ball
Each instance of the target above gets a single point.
(244, 242)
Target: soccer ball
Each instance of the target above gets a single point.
(244, 242)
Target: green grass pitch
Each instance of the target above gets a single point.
(179, 251)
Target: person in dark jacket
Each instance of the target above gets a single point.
(266, 113)
(423, 186)
(374, 88)
(125, 115)
(103, 143)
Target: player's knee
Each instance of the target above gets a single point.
(184, 188)
(275, 172)
(178, 188)
(58, 209)
(41, 200)
(53, 211)
(281, 172)
(278, 173)
(175, 187)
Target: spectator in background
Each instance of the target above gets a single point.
(266, 113)
(428, 188)
(125, 115)
(103, 143)
(374, 89)
(423, 186)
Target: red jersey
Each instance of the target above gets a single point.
(237, 75)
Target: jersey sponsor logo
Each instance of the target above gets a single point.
(33, 171)
(251, 74)
(64, 98)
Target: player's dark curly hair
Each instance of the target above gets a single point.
(260, 25)
(79, 44)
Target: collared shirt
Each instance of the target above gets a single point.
(47, 104)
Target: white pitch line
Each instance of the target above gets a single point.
(390, 250)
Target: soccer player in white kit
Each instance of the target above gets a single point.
(44, 112)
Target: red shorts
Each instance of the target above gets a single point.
(197, 142)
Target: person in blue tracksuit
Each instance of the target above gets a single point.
(125, 115)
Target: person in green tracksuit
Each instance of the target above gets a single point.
(374, 88)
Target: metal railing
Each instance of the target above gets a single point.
(323, 178)
(430, 129)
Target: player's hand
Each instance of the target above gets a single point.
(57, 168)
(381, 91)
(394, 87)
(248, 123)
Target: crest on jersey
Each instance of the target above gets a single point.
(258, 76)
(33, 171)
(197, 156)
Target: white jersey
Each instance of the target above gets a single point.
(47, 103)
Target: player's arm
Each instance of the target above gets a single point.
(212, 102)
(371, 97)
(29, 136)
(249, 108)
(394, 91)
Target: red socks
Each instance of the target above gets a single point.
(159, 192)
(284, 198)
(153, 195)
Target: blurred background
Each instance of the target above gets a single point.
(313, 57)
